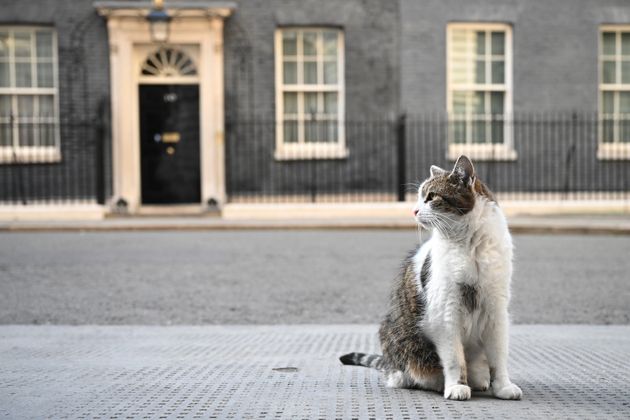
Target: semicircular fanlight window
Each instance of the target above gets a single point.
(168, 62)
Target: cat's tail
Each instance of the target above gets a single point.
(374, 361)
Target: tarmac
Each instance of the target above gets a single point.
(289, 372)
(610, 224)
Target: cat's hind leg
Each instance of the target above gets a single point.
(430, 379)
(396, 379)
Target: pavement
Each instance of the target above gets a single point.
(289, 372)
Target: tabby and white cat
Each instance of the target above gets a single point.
(447, 327)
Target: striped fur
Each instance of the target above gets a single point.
(374, 361)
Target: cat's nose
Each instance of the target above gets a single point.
(416, 211)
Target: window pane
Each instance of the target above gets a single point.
(607, 130)
(290, 132)
(46, 106)
(330, 44)
(625, 43)
(5, 75)
(289, 72)
(480, 71)
(289, 43)
(25, 106)
(624, 117)
(45, 75)
(330, 103)
(498, 43)
(6, 138)
(496, 103)
(46, 134)
(26, 134)
(481, 42)
(310, 72)
(459, 102)
(460, 70)
(497, 132)
(330, 72)
(463, 46)
(625, 71)
(310, 105)
(609, 74)
(459, 131)
(624, 131)
(43, 41)
(608, 43)
(479, 103)
(290, 103)
(22, 42)
(479, 132)
(608, 101)
(498, 72)
(5, 126)
(311, 131)
(330, 131)
(4, 44)
(309, 43)
(460, 42)
(23, 77)
(5, 105)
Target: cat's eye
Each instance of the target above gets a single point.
(429, 197)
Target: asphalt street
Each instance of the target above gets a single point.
(280, 277)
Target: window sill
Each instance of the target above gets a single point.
(488, 152)
(311, 152)
(9, 156)
(613, 151)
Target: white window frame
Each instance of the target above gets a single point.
(302, 150)
(616, 150)
(32, 154)
(481, 151)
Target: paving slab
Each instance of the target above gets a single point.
(288, 372)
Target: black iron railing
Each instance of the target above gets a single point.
(52, 163)
(526, 156)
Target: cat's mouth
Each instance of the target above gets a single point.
(423, 224)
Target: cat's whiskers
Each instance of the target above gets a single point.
(419, 233)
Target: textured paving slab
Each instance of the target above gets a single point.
(227, 372)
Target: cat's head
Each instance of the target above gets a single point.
(446, 197)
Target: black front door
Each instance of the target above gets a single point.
(169, 144)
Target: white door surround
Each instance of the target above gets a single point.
(199, 32)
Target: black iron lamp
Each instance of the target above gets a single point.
(159, 22)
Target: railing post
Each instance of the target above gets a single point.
(401, 163)
(99, 156)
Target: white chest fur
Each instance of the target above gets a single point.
(469, 275)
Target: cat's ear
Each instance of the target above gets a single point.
(436, 171)
(464, 170)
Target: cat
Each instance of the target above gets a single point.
(447, 326)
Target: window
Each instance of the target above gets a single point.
(28, 95)
(614, 101)
(309, 93)
(479, 84)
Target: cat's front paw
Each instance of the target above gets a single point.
(507, 392)
(481, 384)
(457, 392)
